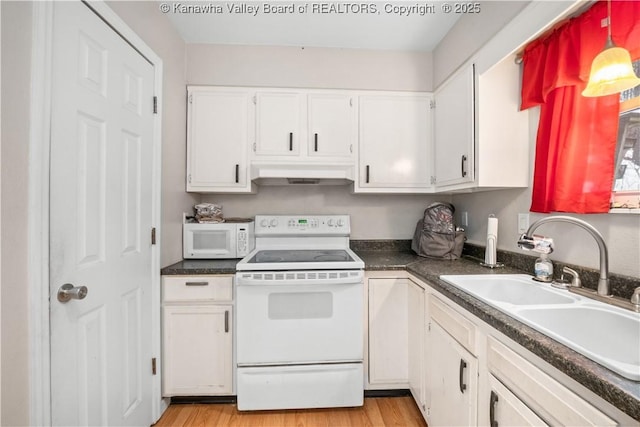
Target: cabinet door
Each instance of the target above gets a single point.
(451, 381)
(218, 140)
(332, 125)
(395, 138)
(416, 335)
(506, 409)
(197, 342)
(388, 339)
(278, 123)
(454, 129)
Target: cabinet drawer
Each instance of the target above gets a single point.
(551, 400)
(197, 288)
(454, 323)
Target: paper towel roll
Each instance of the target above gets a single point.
(492, 241)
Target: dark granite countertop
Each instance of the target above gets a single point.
(620, 392)
(201, 266)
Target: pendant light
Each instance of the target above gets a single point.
(611, 70)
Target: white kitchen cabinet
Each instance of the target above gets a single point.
(395, 137)
(454, 129)
(279, 128)
(481, 137)
(546, 397)
(332, 125)
(387, 332)
(219, 129)
(416, 335)
(451, 377)
(197, 316)
(505, 409)
(304, 125)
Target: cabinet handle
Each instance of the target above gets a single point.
(463, 163)
(237, 173)
(290, 141)
(197, 283)
(315, 142)
(366, 179)
(463, 386)
(226, 321)
(492, 409)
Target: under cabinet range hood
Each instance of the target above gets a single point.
(305, 174)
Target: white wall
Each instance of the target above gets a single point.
(330, 68)
(155, 29)
(16, 52)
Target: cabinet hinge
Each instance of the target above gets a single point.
(153, 366)
(153, 236)
(433, 180)
(350, 102)
(429, 326)
(189, 178)
(254, 147)
(155, 105)
(432, 104)
(255, 99)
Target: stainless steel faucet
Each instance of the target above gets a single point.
(603, 281)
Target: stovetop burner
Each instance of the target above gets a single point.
(302, 255)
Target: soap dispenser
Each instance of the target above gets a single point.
(543, 269)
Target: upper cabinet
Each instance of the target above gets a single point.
(279, 130)
(394, 143)
(453, 113)
(481, 138)
(219, 129)
(332, 125)
(304, 125)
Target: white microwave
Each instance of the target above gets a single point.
(229, 239)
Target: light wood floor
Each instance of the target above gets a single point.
(377, 411)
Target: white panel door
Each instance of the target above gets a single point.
(101, 181)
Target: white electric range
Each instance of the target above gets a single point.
(299, 315)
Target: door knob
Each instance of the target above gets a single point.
(68, 292)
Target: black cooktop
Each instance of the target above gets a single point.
(302, 255)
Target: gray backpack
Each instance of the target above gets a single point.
(436, 235)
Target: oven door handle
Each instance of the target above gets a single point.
(248, 280)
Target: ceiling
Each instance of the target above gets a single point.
(394, 25)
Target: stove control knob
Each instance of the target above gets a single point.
(264, 223)
(330, 223)
(273, 223)
(340, 222)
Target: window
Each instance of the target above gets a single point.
(626, 183)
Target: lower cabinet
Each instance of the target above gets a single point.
(474, 375)
(197, 316)
(387, 333)
(505, 409)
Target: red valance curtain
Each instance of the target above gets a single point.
(576, 141)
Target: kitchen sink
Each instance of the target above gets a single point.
(607, 335)
(512, 289)
(604, 333)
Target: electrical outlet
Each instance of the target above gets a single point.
(465, 219)
(523, 223)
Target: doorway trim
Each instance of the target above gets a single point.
(38, 210)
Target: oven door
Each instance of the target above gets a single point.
(299, 317)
